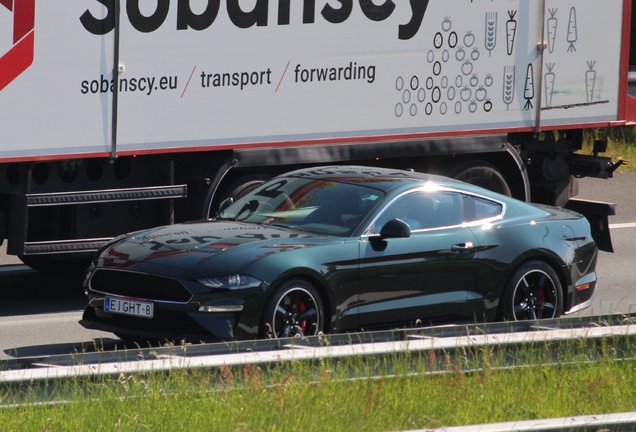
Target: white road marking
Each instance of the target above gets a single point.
(22, 320)
(14, 268)
(623, 225)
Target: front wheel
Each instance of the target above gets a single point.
(293, 310)
(532, 292)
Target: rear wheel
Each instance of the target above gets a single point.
(532, 292)
(293, 310)
(483, 174)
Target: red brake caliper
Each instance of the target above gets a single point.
(302, 308)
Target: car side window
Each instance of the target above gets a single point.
(446, 210)
(403, 208)
(424, 210)
(478, 208)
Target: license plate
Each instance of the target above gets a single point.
(128, 307)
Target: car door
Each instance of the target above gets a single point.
(426, 276)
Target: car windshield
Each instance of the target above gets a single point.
(316, 206)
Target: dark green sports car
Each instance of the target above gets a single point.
(332, 249)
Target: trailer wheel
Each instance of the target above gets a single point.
(483, 174)
(238, 188)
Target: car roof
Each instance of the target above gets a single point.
(384, 179)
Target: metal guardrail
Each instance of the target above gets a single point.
(454, 342)
(451, 340)
(621, 422)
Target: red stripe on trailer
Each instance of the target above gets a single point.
(308, 142)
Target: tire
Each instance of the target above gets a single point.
(293, 310)
(238, 188)
(483, 174)
(533, 292)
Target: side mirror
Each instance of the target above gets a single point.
(224, 205)
(395, 228)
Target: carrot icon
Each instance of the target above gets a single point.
(491, 32)
(549, 83)
(528, 92)
(552, 29)
(572, 33)
(509, 86)
(590, 81)
(511, 31)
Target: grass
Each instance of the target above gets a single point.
(408, 391)
(620, 144)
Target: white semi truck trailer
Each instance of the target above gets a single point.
(117, 115)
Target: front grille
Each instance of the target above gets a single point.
(139, 285)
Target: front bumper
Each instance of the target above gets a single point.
(172, 322)
(583, 293)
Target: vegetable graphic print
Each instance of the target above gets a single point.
(439, 93)
(528, 92)
(456, 68)
(509, 86)
(551, 27)
(491, 32)
(549, 83)
(511, 31)
(590, 81)
(572, 31)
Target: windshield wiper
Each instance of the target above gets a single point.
(279, 225)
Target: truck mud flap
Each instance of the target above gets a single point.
(597, 214)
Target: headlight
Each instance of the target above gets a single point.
(232, 282)
(90, 271)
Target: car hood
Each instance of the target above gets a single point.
(189, 245)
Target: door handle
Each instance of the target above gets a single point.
(462, 247)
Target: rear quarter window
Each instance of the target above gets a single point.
(476, 209)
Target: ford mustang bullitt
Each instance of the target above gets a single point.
(333, 249)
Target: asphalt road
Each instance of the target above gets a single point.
(616, 292)
(39, 313)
